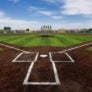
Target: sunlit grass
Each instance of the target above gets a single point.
(59, 40)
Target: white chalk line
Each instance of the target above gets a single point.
(54, 68)
(40, 83)
(20, 54)
(64, 52)
(72, 60)
(29, 71)
(15, 59)
(28, 74)
(23, 52)
(51, 59)
(76, 47)
(57, 82)
(55, 73)
(11, 47)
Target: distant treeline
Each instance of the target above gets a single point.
(80, 31)
(14, 31)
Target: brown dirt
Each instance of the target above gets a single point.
(27, 57)
(42, 71)
(60, 57)
(74, 77)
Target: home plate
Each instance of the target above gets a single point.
(43, 56)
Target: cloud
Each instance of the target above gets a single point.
(76, 7)
(50, 1)
(34, 9)
(34, 25)
(57, 17)
(73, 7)
(22, 24)
(50, 14)
(17, 23)
(2, 14)
(47, 13)
(43, 11)
(14, 1)
(53, 1)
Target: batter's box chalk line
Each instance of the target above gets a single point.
(26, 82)
(68, 56)
(22, 53)
(26, 79)
(57, 81)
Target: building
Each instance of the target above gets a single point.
(7, 29)
(46, 28)
(27, 30)
(62, 30)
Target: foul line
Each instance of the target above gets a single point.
(14, 48)
(57, 81)
(75, 47)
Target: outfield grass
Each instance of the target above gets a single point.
(60, 40)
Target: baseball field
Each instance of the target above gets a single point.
(59, 40)
(45, 62)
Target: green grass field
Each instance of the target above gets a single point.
(60, 40)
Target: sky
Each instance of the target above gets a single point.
(68, 14)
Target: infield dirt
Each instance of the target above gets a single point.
(74, 77)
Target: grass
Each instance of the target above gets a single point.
(89, 49)
(60, 40)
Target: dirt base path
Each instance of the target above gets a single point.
(73, 76)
